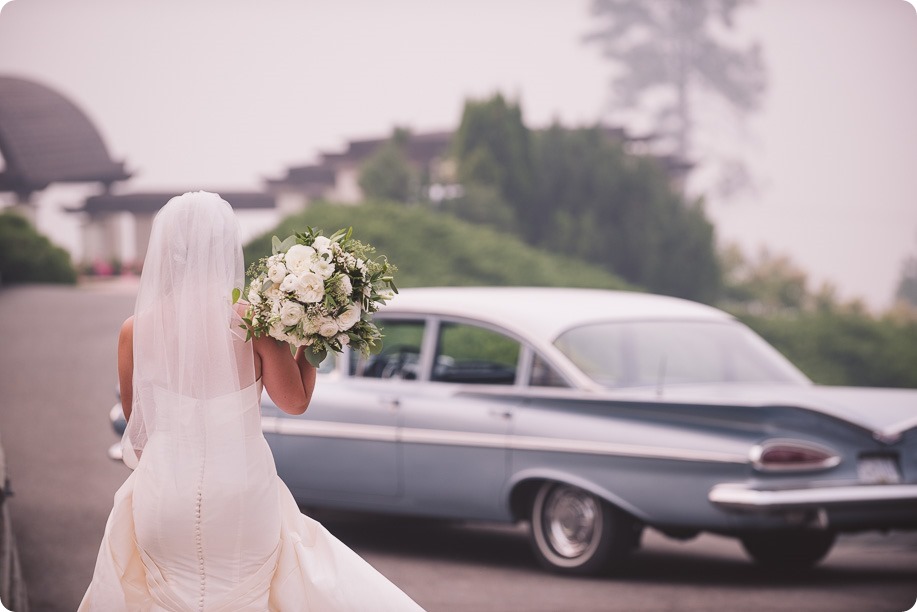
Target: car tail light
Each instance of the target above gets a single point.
(792, 456)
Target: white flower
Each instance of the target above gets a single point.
(323, 267)
(386, 294)
(349, 317)
(343, 339)
(256, 321)
(273, 294)
(310, 326)
(327, 327)
(299, 258)
(277, 331)
(291, 312)
(290, 283)
(309, 287)
(277, 272)
(253, 296)
(346, 286)
(367, 291)
(321, 244)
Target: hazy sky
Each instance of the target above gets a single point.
(221, 94)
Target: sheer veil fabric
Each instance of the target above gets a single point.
(187, 339)
(203, 522)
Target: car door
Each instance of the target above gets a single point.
(455, 424)
(345, 448)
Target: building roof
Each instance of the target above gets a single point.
(151, 202)
(45, 138)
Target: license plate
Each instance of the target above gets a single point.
(878, 470)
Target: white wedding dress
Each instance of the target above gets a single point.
(204, 523)
(185, 534)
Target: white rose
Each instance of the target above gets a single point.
(328, 327)
(277, 272)
(273, 294)
(299, 258)
(310, 287)
(253, 296)
(343, 339)
(349, 317)
(321, 244)
(291, 312)
(323, 267)
(290, 283)
(277, 331)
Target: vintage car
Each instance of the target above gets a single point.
(592, 414)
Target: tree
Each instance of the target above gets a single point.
(387, 174)
(604, 205)
(674, 48)
(907, 285)
(493, 147)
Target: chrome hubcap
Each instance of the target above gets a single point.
(570, 521)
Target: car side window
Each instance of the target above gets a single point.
(474, 355)
(400, 355)
(544, 375)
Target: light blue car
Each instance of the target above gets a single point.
(593, 414)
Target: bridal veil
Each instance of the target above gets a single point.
(188, 342)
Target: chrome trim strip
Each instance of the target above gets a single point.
(623, 450)
(325, 429)
(486, 440)
(740, 497)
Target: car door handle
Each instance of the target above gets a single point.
(392, 403)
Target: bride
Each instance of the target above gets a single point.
(203, 522)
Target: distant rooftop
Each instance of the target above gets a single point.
(45, 138)
(151, 202)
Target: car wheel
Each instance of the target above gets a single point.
(575, 532)
(792, 550)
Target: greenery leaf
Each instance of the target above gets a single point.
(286, 244)
(315, 358)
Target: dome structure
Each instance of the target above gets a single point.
(45, 138)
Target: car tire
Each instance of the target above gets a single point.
(575, 532)
(787, 551)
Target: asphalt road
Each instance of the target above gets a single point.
(57, 377)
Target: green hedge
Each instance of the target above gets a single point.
(436, 249)
(845, 348)
(29, 257)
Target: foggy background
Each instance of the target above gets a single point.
(223, 94)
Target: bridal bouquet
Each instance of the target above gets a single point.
(319, 292)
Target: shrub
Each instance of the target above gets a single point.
(29, 257)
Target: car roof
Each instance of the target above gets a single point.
(546, 312)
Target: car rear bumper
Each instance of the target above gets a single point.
(743, 498)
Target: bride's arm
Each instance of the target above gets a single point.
(126, 366)
(289, 379)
